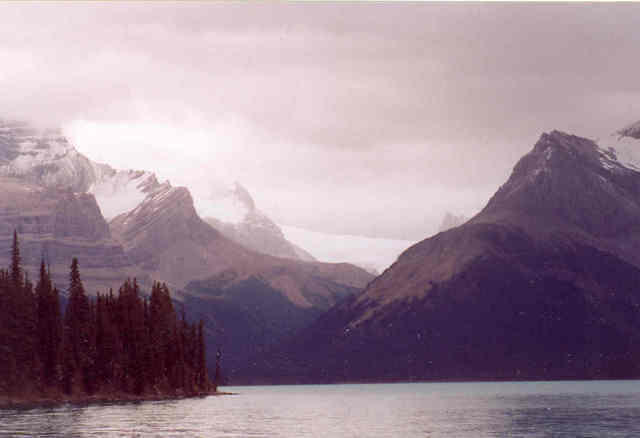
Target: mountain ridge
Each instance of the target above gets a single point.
(541, 284)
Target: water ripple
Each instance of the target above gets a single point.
(523, 409)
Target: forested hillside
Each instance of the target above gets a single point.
(111, 346)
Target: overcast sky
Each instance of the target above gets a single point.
(370, 119)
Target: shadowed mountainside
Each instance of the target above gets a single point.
(542, 284)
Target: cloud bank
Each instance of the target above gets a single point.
(367, 119)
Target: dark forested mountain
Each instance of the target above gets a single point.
(542, 284)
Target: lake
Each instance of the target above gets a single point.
(484, 409)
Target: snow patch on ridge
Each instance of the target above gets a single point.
(620, 151)
(226, 208)
(122, 191)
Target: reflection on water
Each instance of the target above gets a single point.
(522, 409)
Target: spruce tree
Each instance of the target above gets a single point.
(48, 314)
(21, 322)
(201, 365)
(77, 333)
(7, 359)
(16, 270)
(12, 319)
(127, 344)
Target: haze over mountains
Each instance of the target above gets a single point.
(53, 162)
(53, 197)
(541, 284)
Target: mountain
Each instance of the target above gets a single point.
(631, 131)
(56, 198)
(44, 197)
(451, 220)
(249, 301)
(249, 226)
(541, 284)
(45, 157)
(59, 225)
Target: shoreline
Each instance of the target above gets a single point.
(53, 401)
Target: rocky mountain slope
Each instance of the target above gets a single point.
(248, 300)
(44, 184)
(254, 230)
(46, 158)
(541, 284)
(156, 228)
(165, 237)
(57, 225)
(53, 197)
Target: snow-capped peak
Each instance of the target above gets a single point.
(621, 148)
(231, 204)
(121, 191)
(42, 156)
(47, 158)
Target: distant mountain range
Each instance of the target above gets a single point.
(543, 283)
(55, 198)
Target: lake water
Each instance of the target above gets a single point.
(507, 409)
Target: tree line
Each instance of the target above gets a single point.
(110, 344)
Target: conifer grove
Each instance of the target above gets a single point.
(112, 344)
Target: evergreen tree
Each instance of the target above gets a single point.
(7, 354)
(30, 360)
(16, 270)
(132, 329)
(107, 352)
(22, 324)
(201, 365)
(127, 344)
(48, 326)
(218, 376)
(77, 334)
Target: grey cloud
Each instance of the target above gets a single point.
(425, 105)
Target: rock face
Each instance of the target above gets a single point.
(256, 231)
(56, 199)
(542, 284)
(57, 225)
(248, 301)
(156, 232)
(47, 197)
(165, 237)
(46, 158)
(42, 157)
